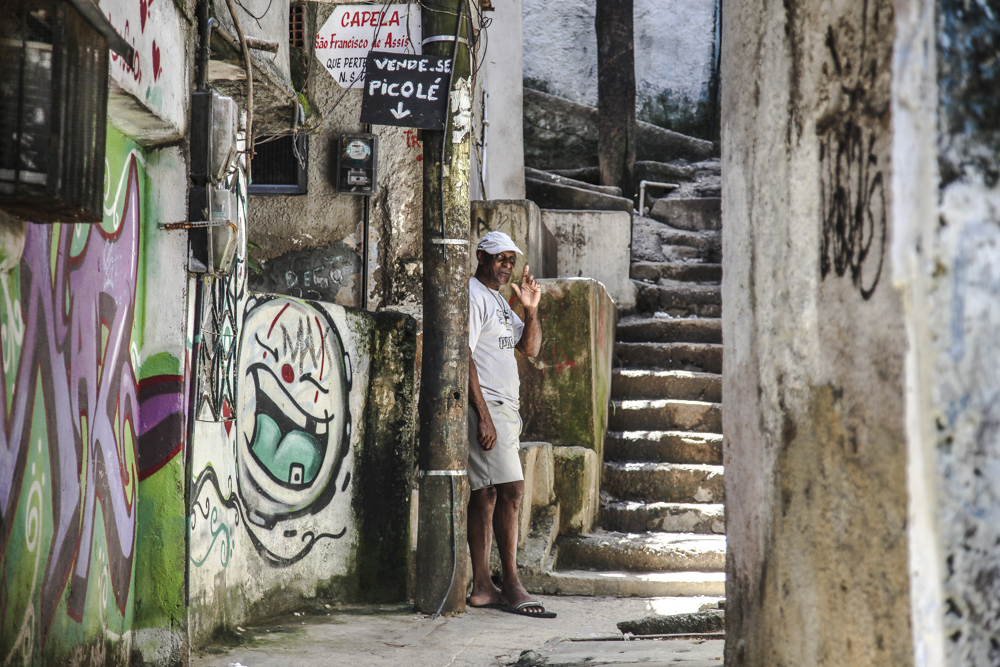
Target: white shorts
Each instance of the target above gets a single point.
(501, 464)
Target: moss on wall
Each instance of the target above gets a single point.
(678, 112)
(384, 463)
(564, 390)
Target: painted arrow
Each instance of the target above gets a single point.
(400, 112)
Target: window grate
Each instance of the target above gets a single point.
(297, 26)
(275, 167)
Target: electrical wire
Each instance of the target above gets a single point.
(249, 70)
(251, 14)
(454, 551)
(444, 135)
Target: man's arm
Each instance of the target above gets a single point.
(529, 294)
(487, 432)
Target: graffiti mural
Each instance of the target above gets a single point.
(294, 423)
(78, 430)
(292, 438)
(214, 513)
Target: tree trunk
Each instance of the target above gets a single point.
(616, 94)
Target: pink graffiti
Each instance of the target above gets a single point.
(90, 401)
(157, 70)
(134, 69)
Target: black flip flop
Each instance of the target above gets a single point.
(521, 609)
(488, 605)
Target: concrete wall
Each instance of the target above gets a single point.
(565, 390)
(91, 476)
(148, 98)
(674, 56)
(946, 257)
(498, 148)
(521, 220)
(594, 244)
(305, 491)
(321, 234)
(814, 417)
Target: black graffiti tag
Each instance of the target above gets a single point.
(853, 130)
(852, 189)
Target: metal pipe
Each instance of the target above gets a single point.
(205, 48)
(247, 64)
(642, 192)
(365, 264)
(93, 15)
(191, 412)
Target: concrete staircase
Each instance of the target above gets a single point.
(661, 525)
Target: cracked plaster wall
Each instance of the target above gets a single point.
(320, 235)
(947, 257)
(814, 421)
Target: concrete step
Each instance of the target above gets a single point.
(566, 197)
(642, 329)
(703, 357)
(663, 482)
(549, 177)
(680, 253)
(643, 552)
(664, 447)
(665, 415)
(535, 555)
(694, 214)
(626, 516)
(662, 172)
(706, 242)
(695, 272)
(626, 584)
(628, 383)
(680, 298)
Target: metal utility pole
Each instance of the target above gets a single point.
(616, 94)
(441, 536)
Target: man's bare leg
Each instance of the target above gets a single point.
(481, 513)
(508, 503)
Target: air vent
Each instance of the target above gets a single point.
(277, 169)
(53, 112)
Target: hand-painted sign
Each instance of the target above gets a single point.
(353, 30)
(407, 91)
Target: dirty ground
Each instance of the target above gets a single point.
(383, 635)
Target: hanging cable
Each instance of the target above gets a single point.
(454, 551)
(249, 70)
(444, 135)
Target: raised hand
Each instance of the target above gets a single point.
(529, 293)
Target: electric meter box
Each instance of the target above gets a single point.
(356, 160)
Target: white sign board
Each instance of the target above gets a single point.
(343, 43)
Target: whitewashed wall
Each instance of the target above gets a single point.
(674, 47)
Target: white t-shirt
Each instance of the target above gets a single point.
(494, 330)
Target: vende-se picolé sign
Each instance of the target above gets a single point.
(407, 91)
(343, 43)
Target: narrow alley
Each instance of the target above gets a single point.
(499, 333)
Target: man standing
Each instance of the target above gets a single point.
(495, 474)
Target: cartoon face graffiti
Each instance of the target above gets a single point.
(295, 427)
